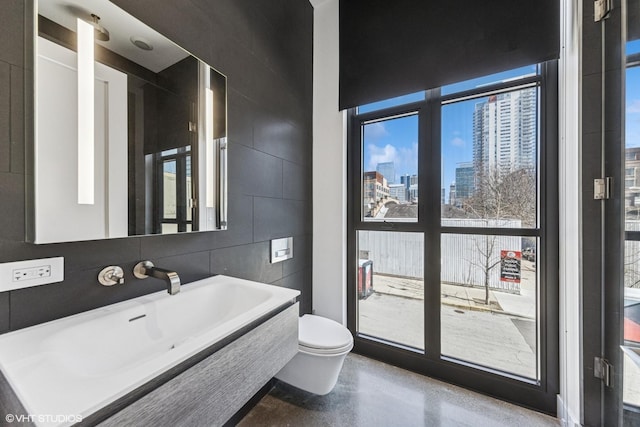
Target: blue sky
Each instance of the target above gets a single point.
(633, 100)
(397, 140)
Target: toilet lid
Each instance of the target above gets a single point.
(322, 333)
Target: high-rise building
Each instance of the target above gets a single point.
(632, 179)
(465, 181)
(409, 180)
(452, 194)
(505, 132)
(413, 193)
(388, 170)
(404, 180)
(398, 192)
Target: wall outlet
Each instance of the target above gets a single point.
(24, 274)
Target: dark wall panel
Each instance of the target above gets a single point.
(11, 32)
(5, 117)
(4, 312)
(249, 262)
(265, 50)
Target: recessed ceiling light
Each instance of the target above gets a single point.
(141, 43)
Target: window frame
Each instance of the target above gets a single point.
(540, 394)
(181, 221)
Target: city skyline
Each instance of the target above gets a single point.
(396, 140)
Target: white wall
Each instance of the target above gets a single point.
(58, 216)
(570, 400)
(329, 169)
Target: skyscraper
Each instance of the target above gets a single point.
(465, 184)
(452, 194)
(388, 170)
(505, 132)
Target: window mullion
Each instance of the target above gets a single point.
(430, 183)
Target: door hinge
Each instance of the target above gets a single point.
(193, 127)
(602, 369)
(601, 9)
(602, 188)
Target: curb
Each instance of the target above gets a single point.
(461, 306)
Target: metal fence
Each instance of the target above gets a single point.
(632, 257)
(465, 259)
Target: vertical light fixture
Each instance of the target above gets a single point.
(85, 34)
(210, 149)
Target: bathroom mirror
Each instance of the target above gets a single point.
(130, 129)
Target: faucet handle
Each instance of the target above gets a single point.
(112, 275)
(141, 269)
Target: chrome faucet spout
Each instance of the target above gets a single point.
(144, 269)
(171, 278)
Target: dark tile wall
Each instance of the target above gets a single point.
(265, 50)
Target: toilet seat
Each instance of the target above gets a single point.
(326, 351)
(319, 335)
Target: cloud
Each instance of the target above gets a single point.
(409, 158)
(405, 159)
(634, 106)
(388, 153)
(375, 131)
(458, 142)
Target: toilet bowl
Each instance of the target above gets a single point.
(322, 346)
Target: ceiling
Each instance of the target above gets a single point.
(121, 27)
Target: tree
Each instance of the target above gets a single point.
(486, 261)
(504, 196)
(499, 198)
(632, 264)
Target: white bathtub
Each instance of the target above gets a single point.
(79, 364)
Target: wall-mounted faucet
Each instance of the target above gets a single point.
(144, 269)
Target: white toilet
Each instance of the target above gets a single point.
(322, 346)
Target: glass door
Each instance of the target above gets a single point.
(631, 258)
(175, 191)
(615, 401)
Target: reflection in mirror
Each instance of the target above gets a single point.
(133, 143)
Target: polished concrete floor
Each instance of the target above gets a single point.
(371, 393)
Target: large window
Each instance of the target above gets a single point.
(452, 215)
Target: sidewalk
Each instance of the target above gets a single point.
(467, 297)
